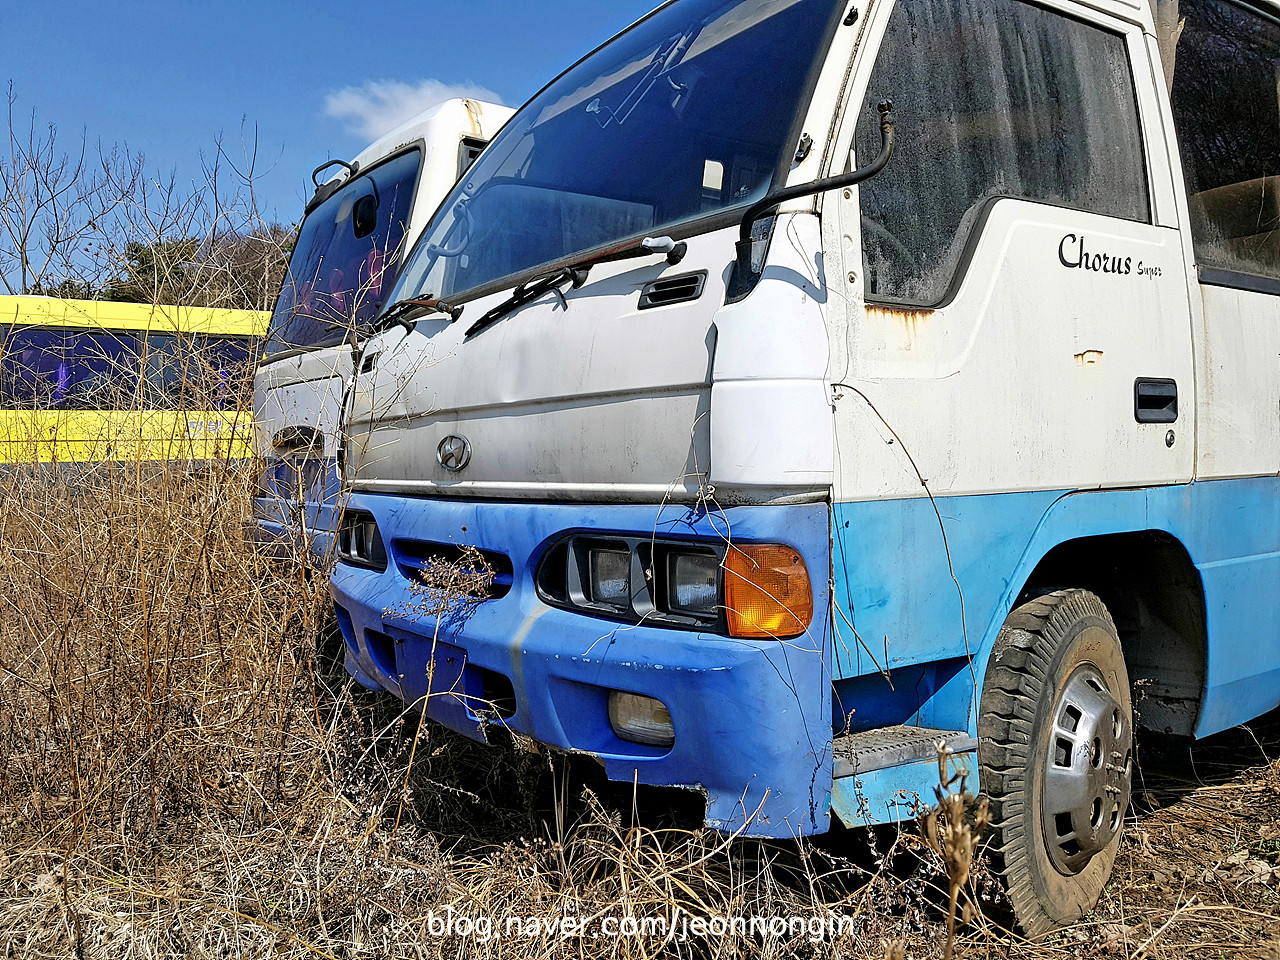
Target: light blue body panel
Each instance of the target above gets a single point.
(895, 794)
(752, 718)
(892, 581)
(287, 528)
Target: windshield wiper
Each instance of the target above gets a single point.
(663, 61)
(576, 274)
(399, 311)
(531, 290)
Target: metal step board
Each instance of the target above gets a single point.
(891, 746)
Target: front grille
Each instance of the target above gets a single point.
(431, 562)
(360, 542)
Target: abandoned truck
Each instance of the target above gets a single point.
(825, 381)
(357, 228)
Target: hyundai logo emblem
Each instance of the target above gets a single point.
(454, 453)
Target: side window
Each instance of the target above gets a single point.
(229, 363)
(1226, 110)
(56, 368)
(992, 98)
(468, 150)
(163, 383)
(198, 372)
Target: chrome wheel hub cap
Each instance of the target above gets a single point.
(1088, 771)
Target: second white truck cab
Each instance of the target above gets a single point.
(353, 239)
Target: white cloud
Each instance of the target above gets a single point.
(377, 106)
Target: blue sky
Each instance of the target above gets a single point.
(315, 78)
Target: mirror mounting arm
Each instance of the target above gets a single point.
(746, 246)
(327, 189)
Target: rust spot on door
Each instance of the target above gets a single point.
(908, 319)
(474, 115)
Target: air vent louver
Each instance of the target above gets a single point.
(660, 293)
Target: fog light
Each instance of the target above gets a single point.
(693, 583)
(766, 591)
(611, 578)
(640, 719)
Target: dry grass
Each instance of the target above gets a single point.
(176, 780)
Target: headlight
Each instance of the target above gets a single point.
(641, 719)
(610, 572)
(693, 583)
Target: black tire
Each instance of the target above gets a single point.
(1055, 748)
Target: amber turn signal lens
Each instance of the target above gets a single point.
(766, 591)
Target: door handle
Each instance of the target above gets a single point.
(1155, 400)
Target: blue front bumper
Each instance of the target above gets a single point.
(752, 718)
(296, 512)
(273, 532)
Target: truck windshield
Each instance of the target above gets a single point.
(686, 115)
(344, 260)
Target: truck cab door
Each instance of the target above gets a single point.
(1018, 287)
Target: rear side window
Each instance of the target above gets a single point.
(67, 369)
(346, 257)
(468, 150)
(1226, 110)
(992, 98)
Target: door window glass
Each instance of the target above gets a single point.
(992, 98)
(1226, 110)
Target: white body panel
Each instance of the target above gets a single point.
(301, 390)
(598, 399)
(592, 398)
(958, 388)
(770, 407)
(1238, 413)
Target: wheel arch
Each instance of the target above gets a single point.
(1156, 597)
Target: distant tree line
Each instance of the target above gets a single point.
(92, 223)
(239, 271)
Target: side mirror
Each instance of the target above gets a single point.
(364, 216)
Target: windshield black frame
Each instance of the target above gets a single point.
(410, 284)
(269, 355)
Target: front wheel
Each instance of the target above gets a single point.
(1055, 746)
